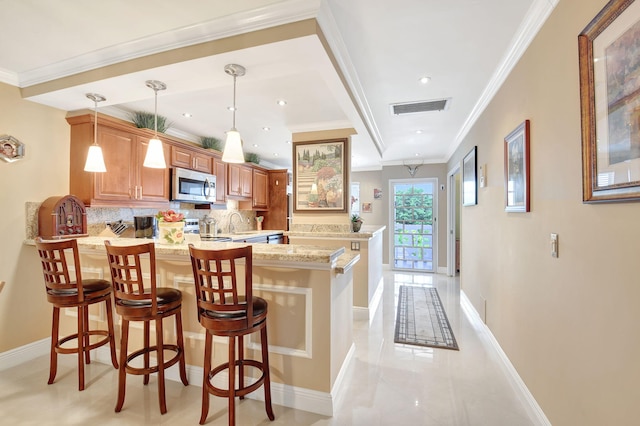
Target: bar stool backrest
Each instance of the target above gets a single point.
(221, 292)
(57, 277)
(129, 288)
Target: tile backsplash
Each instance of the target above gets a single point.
(97, 217)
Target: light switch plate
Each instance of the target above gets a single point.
(554, 245)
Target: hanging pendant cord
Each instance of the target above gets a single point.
(234, 102)
(155, 121)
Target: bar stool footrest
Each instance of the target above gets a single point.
(90, 347)
(240, 391)
(140, 371)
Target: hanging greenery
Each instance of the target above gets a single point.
(146, 120)
(211, 143)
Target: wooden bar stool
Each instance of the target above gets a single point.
(63, 291)
(137, 302)
(223, 311)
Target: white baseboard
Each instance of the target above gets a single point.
(533, 409)
(361, 313)
(17, 356)
(442, 270)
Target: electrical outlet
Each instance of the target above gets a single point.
(554, 245)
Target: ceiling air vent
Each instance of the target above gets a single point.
(420, 106)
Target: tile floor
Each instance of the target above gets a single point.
(386, 384)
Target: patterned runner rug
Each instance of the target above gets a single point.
(421, 319)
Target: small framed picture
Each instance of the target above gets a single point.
(11, 149)
(377, 193)
(470, 178)
(367, 208)
(516, 169)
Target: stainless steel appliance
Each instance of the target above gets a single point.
(192, 187)
(145, 226)
(208, 228)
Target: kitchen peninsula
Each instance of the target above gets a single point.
(367, 275)
(310, 296)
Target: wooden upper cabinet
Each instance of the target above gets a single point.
(260, 189)
(189, 159)
(220, 171)
(126, 182)
(151, 184)
(239, 181)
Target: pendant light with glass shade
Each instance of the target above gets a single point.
(95, 159)
(233, 146)
(155, 152)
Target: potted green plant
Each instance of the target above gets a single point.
(356, 222)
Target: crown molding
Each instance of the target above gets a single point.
(252, 20)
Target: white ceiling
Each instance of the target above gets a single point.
(379, 49)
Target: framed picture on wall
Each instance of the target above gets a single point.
(516, 169)
(11, 149)
(609, 60)
(470, 178)
(367, 208)
(319, 176)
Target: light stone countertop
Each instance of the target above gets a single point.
(366, 232)
(288, 255)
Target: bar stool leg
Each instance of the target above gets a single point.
(53, 356)
(180, 338)
(241, 364)
(205, 377)
(232, 381)
(160, 359)
(267, 376)
(87, 342)
(81, 340)
(112, 334)
(146, 354)
(122, 373)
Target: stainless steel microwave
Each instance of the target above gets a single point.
(192, 187)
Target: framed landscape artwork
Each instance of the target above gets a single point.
(516, 169)
(609, 59)
(470, 178)
(319, 176)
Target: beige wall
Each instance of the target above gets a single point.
(569, 325)
(380, 214)
(44, 171)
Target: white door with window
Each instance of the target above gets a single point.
(413, 245)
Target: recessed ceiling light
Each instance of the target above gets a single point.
(281, 102)
(418, 132)
(417, 154)
(275, 154)
(230, 108)
(255, 145)
(425, 79)
(266, 128)
(186, 115)
(289, 142)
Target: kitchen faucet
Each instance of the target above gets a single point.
(232, 228)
